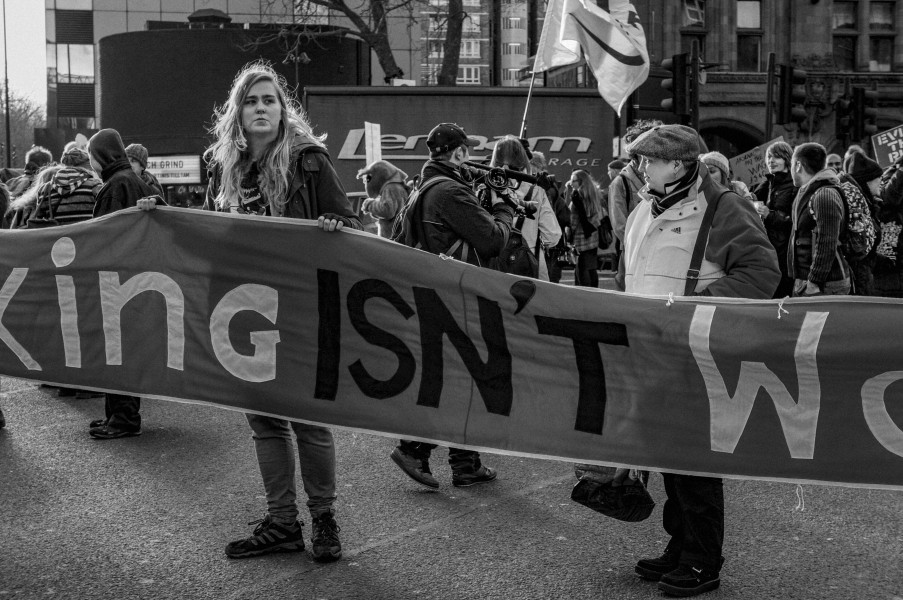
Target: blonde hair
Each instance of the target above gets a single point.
(230, 150)
(589, 193)
(29, 198)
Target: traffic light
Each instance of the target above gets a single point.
(843, 111)
(865, 112)
(679, 102)
(791, 95)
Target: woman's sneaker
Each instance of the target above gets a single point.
(325, 539)
(268, 536)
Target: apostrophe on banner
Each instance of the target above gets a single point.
(63, 252)
(522, 292)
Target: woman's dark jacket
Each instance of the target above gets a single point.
(314, 189)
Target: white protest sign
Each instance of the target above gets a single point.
(749, 167)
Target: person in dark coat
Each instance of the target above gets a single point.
(775, 205)
(121, 189)
(267, 160)
(450, 220)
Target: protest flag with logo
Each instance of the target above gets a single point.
(612, 42)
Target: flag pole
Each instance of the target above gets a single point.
(523, 124)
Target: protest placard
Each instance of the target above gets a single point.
(888, 146)
(749, 167)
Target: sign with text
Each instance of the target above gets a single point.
(572, 128)
(888, 146)
(277, 317)
(750, 167)
(181, 169)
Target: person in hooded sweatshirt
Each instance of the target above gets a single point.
(386, 193)
(121, 189)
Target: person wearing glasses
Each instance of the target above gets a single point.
(737, 262)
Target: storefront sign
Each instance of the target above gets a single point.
(181, 169)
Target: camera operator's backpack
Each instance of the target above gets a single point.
(402, 227)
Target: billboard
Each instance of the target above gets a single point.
(573, 128)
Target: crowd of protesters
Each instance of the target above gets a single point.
(819, 224)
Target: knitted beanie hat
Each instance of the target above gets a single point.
(138, 153)
(667, 142)
(719, 160)
(863, 169)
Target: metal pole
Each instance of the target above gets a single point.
(9, 161)
(694, 85)
(523, 124)
(769, 98)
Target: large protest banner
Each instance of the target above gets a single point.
(277, 317)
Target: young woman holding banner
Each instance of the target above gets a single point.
(268, 161)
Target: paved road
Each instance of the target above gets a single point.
(147, 517)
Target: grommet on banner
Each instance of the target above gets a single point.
(801, 502)
(670, 299)
(781, 308)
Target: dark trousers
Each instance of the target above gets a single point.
(586, 273)
(694, 517)
(122, 412)
(461, 461)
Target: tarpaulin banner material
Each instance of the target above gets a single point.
(278, 317)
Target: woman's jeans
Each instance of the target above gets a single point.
(276, 459)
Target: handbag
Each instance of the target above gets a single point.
(628, 501)
(42, 222)
(516, 258)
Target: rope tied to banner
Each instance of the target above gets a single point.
(781, 308)
(800, 500)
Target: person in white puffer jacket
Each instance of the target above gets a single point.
(738, 261)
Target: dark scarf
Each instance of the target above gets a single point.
(674, 191)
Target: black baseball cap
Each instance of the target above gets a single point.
(446, 137)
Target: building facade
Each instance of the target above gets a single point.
(840, 43)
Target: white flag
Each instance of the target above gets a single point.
(613, 43)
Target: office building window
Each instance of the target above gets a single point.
(70, 63)
(844, 14)
(881, 51)
(749, 14)
(694, 13)
(471, 24)
(881, 16)
(511, 74)
(512, 48)
(749, 35)
(513, 23)
(749, 53)
(845, 52)
(470, 49)
(468, 75)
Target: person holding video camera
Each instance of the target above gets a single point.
(449, 219)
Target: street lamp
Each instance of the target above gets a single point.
(9, 162)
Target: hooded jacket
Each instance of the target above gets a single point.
(314, 188)
(69, 197)
(121, 186)
(386, 194)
